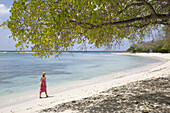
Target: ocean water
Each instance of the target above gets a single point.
(22, 72)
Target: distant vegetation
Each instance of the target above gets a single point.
(158, 46)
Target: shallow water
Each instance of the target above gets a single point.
(22, 72)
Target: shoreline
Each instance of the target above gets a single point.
(32, 94)
(22, 97)
(89, 89)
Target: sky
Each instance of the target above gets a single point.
(9, 44)
(5, 42)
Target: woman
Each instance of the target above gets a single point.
(43, 84)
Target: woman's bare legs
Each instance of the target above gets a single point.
(46, 94)
(40, 95)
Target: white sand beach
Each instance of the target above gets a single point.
(30, 103)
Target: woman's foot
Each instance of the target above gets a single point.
(46, 95)
(40, 97)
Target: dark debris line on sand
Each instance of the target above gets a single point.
(148, 96)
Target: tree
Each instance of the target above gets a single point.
(154, 46)
(56, 25)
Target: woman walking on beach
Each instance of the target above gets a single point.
(43, 84)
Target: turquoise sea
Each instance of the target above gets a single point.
(22, 72)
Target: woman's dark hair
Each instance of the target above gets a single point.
(43, 74)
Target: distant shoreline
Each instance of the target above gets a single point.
(66, 51)
(123, 52)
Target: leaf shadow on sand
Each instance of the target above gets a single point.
(142, 96)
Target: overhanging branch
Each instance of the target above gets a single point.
(128, 6)
(149, 6)
(82, 23)
(149, 17)
(146, 24)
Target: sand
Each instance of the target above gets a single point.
(90, 88)
(137, 97)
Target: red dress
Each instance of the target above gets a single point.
(43, 86)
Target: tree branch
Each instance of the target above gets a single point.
(128, 6)
(149, 17)
(143, 25)
(149, 6)
(82, 23)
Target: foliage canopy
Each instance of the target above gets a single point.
(57, 25)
